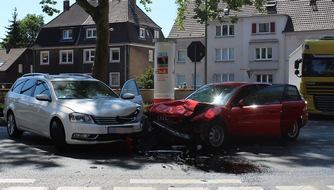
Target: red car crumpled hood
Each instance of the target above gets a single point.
(178, 108)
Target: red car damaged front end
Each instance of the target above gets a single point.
(186, 119)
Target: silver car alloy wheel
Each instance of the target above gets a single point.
(11, 124)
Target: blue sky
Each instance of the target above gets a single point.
(163, 12)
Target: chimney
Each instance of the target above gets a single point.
(133, 4)
(66, 5)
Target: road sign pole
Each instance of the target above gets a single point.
(195, 68)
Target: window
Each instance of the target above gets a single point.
(20, 70)
(42, 88)
(66, 56)
(266, 96)
(44, 58)
(115, 55)
(264, 78)
(156, 34)
(263, 53)
(91, 33)
(181, 56)
(261, 28)
(142, 32)
(198, 80)
(67, 34)
(28, 87)
(181, 79)
(18, 85)
(225, 30)
(291, 94)
(150, 56)
(224, 77)
(89, 55)
(114, 79)
(224, 54)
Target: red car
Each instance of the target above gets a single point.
(215, 111)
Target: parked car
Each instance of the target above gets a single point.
(215, 111)
(72, 109)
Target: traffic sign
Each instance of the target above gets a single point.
(196, 51)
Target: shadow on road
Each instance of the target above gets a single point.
(311, 149)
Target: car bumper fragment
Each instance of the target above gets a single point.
(172, 131)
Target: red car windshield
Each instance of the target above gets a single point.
(213, 94)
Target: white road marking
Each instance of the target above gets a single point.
(134, 188)
(188, 188)
(26, 188)
(78, 188)
(184, 181)
(295, 188)
(331, 186)
(241, 188)
(17, 180)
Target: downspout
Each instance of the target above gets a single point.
(126, 62)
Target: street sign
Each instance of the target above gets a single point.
(196, 51)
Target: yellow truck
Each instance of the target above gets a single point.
(317, 75)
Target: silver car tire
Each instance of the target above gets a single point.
(57, 134)
(12, 129)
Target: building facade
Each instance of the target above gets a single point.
(257, 47)
(67, 43)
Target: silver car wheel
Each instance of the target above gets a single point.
(12, 128)
(10, 124)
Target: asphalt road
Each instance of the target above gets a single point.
(32, 163)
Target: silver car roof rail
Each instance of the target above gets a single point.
(76, 74)
(36, 74)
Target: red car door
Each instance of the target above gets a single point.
(293, 107)
(259, 113)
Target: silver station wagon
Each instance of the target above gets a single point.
(72, 109)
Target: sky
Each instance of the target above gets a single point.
(163, 13)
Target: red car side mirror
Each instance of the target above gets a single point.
(241, 103)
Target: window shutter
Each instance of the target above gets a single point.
(272, 27)
(253, 28)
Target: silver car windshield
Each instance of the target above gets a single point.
(82, 90)
(212, 94)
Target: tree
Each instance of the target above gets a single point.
(147, 80)
(99, 11)
(13, 38)
(30, 26)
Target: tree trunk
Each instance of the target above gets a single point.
(100, 15)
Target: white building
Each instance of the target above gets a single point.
(255, 48)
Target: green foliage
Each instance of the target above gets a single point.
(30, 26)
(47, 7)
(147, 80)
(13, 37)
(23, 33)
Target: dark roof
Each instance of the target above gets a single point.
(301, 17)
(119, 11)
(6, 60)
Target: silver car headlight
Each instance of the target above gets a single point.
(81, 118)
